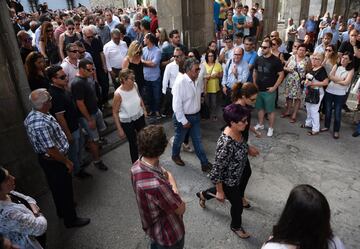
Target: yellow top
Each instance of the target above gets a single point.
(213, 85)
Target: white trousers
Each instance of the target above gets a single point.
(312, 114)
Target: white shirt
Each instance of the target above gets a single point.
(249, 19)
(259, 15)
(115, 54)
(337, 89)
(112, 24)
(186, 97)
(70, 70)
(334, 243)
(320, 49)
(301, 33)
(170, 73)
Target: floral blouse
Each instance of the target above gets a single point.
(19, 224)
(230, 161)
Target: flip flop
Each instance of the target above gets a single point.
(311, 133)
(241, 233)
(202, 200)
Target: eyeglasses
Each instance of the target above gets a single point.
(264, 47)
(74, 51)
(238, 54)
(328, 50)
(62, 77)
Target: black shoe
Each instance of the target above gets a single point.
(100, 165)
(83, 174)
(78, 222)
(178, 160)
(207, 167)
(356, 134)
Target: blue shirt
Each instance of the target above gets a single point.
(310, 26)
(250, 58)
(152, 54)
(130, 32)
(229, 79)
(335, 33)
(238, 20)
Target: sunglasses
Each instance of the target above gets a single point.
(90, 70)
(177, 56)
(70, 28)
(62, 77)
(264, 47)
(238, 54)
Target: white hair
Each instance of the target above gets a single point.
(38, 98)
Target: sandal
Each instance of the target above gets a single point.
(313, 133)
(324, 129)
(202, 199)
(284, 115)
(304, 126)
(241, 233)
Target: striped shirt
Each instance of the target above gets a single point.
(157, 202)
(44, 133)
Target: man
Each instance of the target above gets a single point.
(248, 21)
(335, 33)
(168, 51)
(238, 40)
(250, 55)
(255, 29)
(170, 73)
(290, 35)
(352, 20)
(310, 27)
(94, 46)
(239, 19)
(326, 40)
(115, 52)
(226, 53)
(144, 28)
(64, 110)
(282, 48)
(236, 71)
(301, 31)
(160, 206)
(345, 36)
(110, 22)
(151, 56)
(103, 30)
(267, 76)
(25, 42)
(130, 32)
(50, 143)
(31, 31)
(357, 24)
(186, 104)
(154, 20)
(70, 63)
(91, 118)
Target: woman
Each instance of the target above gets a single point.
(163, 40)
(228, 23)
(245, 95)
(316, 79)
(297, 66)
(309, 45)
(335, 95)
(133, 62)
(331, 57)
(212, 79)
(35, 71)
(77, 22)
(128, 110)
(69, 36)
(139, 34)
(304, 222)
(20, 217)
(275, 45)
(48, 46)
(230, 161)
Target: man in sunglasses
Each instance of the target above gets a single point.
(70, 63)
(64, 110)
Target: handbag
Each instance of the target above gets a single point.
(312, 95)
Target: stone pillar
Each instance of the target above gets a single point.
(194, 19)
(270, 16)
(16, 153)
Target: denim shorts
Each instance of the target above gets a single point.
(93, 134)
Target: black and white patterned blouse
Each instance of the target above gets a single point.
(230, 161)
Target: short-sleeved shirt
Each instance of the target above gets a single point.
(152, 54)
(267, 71)
(44, 133)
(95, 49)
(238, 19)
(254, 27)
(157, 203)
(82, 90)
(213, 85)
(62, 102)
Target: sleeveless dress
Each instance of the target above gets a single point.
(68, 40)
(139, 75)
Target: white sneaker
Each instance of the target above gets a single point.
(259, 127)
(270, 132)
(187, 148)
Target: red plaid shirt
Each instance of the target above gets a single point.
(157, 202)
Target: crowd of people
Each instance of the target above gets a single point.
(72, 59)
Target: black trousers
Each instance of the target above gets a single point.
(130, 130)
(234, 195)
(115, 79)
(166, 105)
(245, 177)
(60, 184)
(103, 80)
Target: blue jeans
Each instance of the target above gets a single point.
(358, 127)
(153, 94)
(75, 150)
(180, 132)
(337, 102)
(178, 245)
